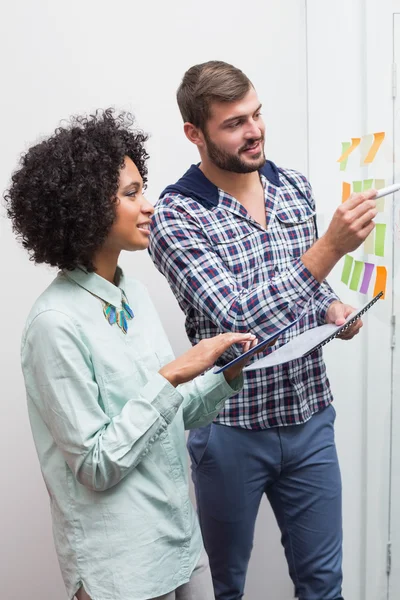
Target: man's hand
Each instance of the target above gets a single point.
(337, 314)
(350, 226)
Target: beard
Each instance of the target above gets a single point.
(233, 162)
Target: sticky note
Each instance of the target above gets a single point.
(380, 232)
(366, 143)
(346, 191)
(343, 162)
(349, 149)
(378, 139)
(367, 184)
(379, 184)
(348, 263)
(355, 278)
(357, 186)
(380, 281)
(369, 244)
(368, 270)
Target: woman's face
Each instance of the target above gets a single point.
(131, 228)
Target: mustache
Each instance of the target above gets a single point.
(251, 143)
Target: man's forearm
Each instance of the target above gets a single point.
(321, 258)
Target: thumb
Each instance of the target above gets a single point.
(337, 315)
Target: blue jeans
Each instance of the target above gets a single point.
(297, 468)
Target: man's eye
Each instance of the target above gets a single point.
(233, 125)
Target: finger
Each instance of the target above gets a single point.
(361, 220)
(228, 339)
(340, 321)
(350, 332)
(219, 344)
(357, 199)
(365, 231)
(246, 346)
(362, 209)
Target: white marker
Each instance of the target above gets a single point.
(391, 189)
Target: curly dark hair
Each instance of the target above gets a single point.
(62, 199)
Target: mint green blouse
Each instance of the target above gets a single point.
(109, 433)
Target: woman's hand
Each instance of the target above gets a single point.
(204, 355)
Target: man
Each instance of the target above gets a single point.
(236, 239)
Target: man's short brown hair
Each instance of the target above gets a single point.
(213, 81)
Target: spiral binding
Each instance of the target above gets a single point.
(345, 326)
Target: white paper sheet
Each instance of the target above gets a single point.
(301, 344)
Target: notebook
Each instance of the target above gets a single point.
(260, 345)
(309, 341)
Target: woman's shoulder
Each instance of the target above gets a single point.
(61, 297)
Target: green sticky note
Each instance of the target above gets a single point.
(367, 184)
(357, 186)
(380, 232)
(345, 146)
(379, 184)
(348, 263)
(369, 244)
(355, 278)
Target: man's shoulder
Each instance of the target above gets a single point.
(297, 176)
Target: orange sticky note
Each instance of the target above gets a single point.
(346, 190)
(380, 282)
(378, 139)
(354, 143)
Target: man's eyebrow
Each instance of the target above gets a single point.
(238, 117)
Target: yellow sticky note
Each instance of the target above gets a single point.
(369, 244)
(379, 184)
(354, 143)
(366, 143)
(378, 139)
(380, 204)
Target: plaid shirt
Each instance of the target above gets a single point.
(230, 274)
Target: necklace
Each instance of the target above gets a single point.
(120, 315)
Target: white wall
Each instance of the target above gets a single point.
(350, 57)
(62, 58)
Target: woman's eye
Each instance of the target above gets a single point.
(132, 194)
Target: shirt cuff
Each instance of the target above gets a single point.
(322, 305)
(299, 286)
(218, 388)
(163, 396)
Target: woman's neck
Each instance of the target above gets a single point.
(106, 265)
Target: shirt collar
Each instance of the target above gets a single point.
(93, 283)
(194, 184)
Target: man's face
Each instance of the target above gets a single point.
(234, 135)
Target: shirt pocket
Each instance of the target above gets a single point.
(296, 222)
(241, 246)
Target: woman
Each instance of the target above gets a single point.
(105, 408)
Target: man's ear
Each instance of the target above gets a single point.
(194, 134)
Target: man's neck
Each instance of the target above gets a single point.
(234, 184)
